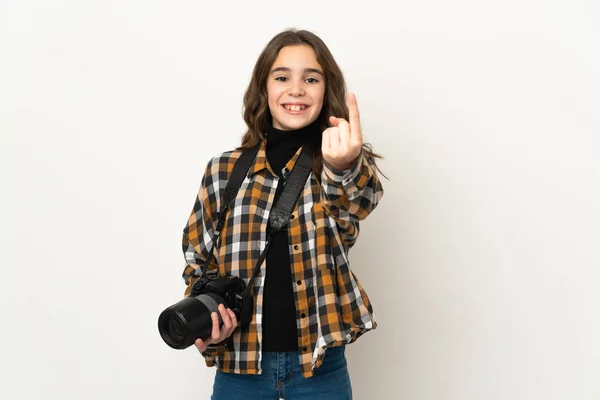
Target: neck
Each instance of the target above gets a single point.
(293, 137)
(282, 145)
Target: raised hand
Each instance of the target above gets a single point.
(342, 142)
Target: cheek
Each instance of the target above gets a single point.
(318, 98)
(272, 97)
(270, 94)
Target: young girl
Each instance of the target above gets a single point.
(308, 304)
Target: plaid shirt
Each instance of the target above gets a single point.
(332, 307)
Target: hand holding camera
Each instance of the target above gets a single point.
(209, 315)
(218, 335)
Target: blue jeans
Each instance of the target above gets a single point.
(281, 378)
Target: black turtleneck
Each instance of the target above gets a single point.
(282, 145)
(279, 306)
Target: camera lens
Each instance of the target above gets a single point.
(174, 329)
(184, 322)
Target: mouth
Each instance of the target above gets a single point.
(295, 108)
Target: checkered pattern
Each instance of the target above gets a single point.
(332, 307)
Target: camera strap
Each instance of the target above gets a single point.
(282, 210)
(240, 170)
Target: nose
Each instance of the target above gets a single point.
(296, 88)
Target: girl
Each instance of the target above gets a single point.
(308, 304)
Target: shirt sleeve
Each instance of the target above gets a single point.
(350, 196)
(198, 231)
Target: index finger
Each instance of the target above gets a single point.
(354, 115)
(216, 331)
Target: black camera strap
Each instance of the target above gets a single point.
(240, 170)
(282, 210)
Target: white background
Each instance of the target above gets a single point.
(482, 260)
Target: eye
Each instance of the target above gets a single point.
(312, 80)
(279, 78)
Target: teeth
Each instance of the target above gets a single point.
(295, 108)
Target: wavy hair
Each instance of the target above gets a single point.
(256, 111)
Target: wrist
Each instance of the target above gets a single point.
(344, 166)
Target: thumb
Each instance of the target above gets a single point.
(334, 120)
(200, 345)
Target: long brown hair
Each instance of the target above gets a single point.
(256, 106)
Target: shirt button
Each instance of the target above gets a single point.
(303, 315)
(299, 283)
(304, 349)
(296, 247)
(293, 216)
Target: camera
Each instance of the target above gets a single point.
(184, 322)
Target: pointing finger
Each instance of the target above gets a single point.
(354, 115)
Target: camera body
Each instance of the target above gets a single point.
(184, 322)
(229, 288)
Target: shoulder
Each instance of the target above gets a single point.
(221, 165)
(225, 158)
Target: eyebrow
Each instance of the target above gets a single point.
(306, 70)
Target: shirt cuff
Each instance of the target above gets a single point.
(213, 350)
(345, 177)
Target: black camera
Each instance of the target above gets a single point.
(184, 322)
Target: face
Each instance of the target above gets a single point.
(295, 88)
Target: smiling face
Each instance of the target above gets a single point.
(295, 88)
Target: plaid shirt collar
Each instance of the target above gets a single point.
(261, 162)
